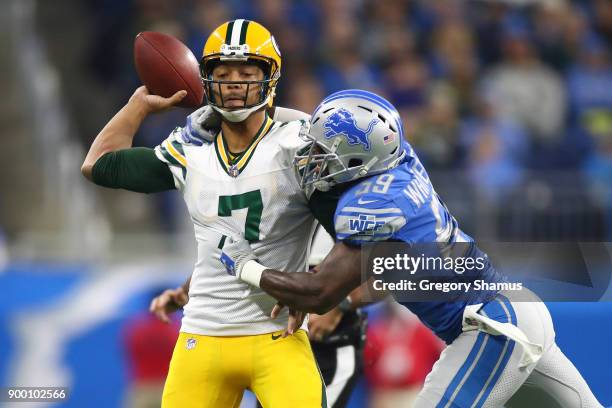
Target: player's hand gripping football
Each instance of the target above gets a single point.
(155, 103)
(168, 302)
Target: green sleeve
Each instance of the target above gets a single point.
(136, 169)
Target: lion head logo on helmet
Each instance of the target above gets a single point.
(342, 122)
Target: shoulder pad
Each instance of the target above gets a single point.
(368, 218)
(171, 150)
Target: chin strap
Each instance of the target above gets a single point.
(239, 115)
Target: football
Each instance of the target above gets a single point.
(165, 65)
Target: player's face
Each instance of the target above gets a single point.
(243, 91)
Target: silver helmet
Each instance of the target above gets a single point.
(351, 134)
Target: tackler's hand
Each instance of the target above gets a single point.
(235, 254)
(201, 127)
(296, 318)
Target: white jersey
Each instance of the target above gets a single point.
(259, 198)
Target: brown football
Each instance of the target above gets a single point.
(165, 65)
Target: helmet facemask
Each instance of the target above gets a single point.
(319, 166)
(217, 97)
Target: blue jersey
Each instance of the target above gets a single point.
(402, 205)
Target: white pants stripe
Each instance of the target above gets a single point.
(481, 370)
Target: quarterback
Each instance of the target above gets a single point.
(241, 182)
(500, 352)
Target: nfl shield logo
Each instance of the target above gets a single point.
(233, 171)
(191, 343)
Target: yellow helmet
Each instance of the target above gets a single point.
(241, 40)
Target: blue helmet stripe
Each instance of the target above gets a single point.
(359, 93)
(362, 93)
(368, 96)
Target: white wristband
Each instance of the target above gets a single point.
(251, 272)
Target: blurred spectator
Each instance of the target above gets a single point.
(431, 58)
(149, 344)
(487, 20)
(305, 93)
(204, 18)
(576, 27)
(294, 25)
(110, 22)
(272, 13)
(385, 45)
(344, 68)
(602, 13)
(553, 18)
(386, 35)
(444, 10)
(598, 167)
(405, 85)
(399, 353)
(335, 9)
(436, 135)
(453, 57)
(599, 170)
(524, 89)
(496, 149)
(589, 83)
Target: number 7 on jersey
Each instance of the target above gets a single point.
(251, 200)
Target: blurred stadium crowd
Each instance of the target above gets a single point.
(507, 103)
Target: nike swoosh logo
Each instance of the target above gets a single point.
(362, 201)
(276, 337)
